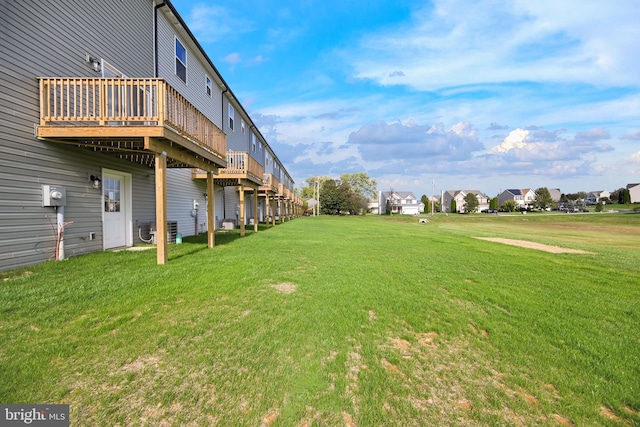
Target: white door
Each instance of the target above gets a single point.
(116, 209)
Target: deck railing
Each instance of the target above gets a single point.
(125, 102)
(240, 163)
(270, 181)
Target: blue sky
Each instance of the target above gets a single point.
(469, 94)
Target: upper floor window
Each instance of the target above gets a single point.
(231, 116)
(207, 82)
(181, 61)
(242, 127)
(253, 142)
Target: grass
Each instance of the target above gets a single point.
(339, 321)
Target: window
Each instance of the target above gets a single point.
(253, 142)
(242, 125)
(181, 61)
(111, 190)
(231, 117)
(207, 83)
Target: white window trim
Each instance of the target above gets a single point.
(232, 117)
(208, 86)
(186, 56)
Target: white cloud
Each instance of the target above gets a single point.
(215, 23)
(381, 141)
(504, 41)
(516, 139)
(232, 58)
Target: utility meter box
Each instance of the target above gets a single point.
(54, 195)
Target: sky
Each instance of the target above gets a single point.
(429, 96)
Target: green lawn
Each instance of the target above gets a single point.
(356, 321)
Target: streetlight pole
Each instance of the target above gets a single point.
(433, 196)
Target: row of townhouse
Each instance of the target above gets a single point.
(116, 126)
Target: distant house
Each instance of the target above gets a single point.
(459, 195)
(401, 202)
(311, 203)
(556, 194)
(594, 197)
(634, 192)
(373, 207)
(523, 197)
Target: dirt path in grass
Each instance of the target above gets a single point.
(534, 245)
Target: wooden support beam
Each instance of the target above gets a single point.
(211, 210)
(161, 207)
(241, 189)
(273, 212)
(255, 210)
(160, 145)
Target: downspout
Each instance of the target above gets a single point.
(222, 107)
(155, 30)
(224, 193)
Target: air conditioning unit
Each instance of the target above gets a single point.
(172, 232)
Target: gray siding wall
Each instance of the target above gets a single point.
(195, 89)
(52, 39)
(232, 199)
(236, 139)
(260, 149)
(182, 191)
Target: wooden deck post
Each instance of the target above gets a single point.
(242, 231)
(273, 211)
(161, 207)
(211, 210)
(255, 210)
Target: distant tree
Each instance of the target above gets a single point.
(599, 207)
(580, 195)
(543, 198)
(387, 207)
(330, 198)
(454, 206)
(360, 183)
(614, 196)
(306, 192)
(626, 198)
(493, 203)
(351, 202)
(426, 202)
(563, 198)
(470, 203)
(509, 206)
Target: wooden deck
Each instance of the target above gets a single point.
(140, 120)
(132, 118)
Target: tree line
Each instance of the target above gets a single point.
(348, 195)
